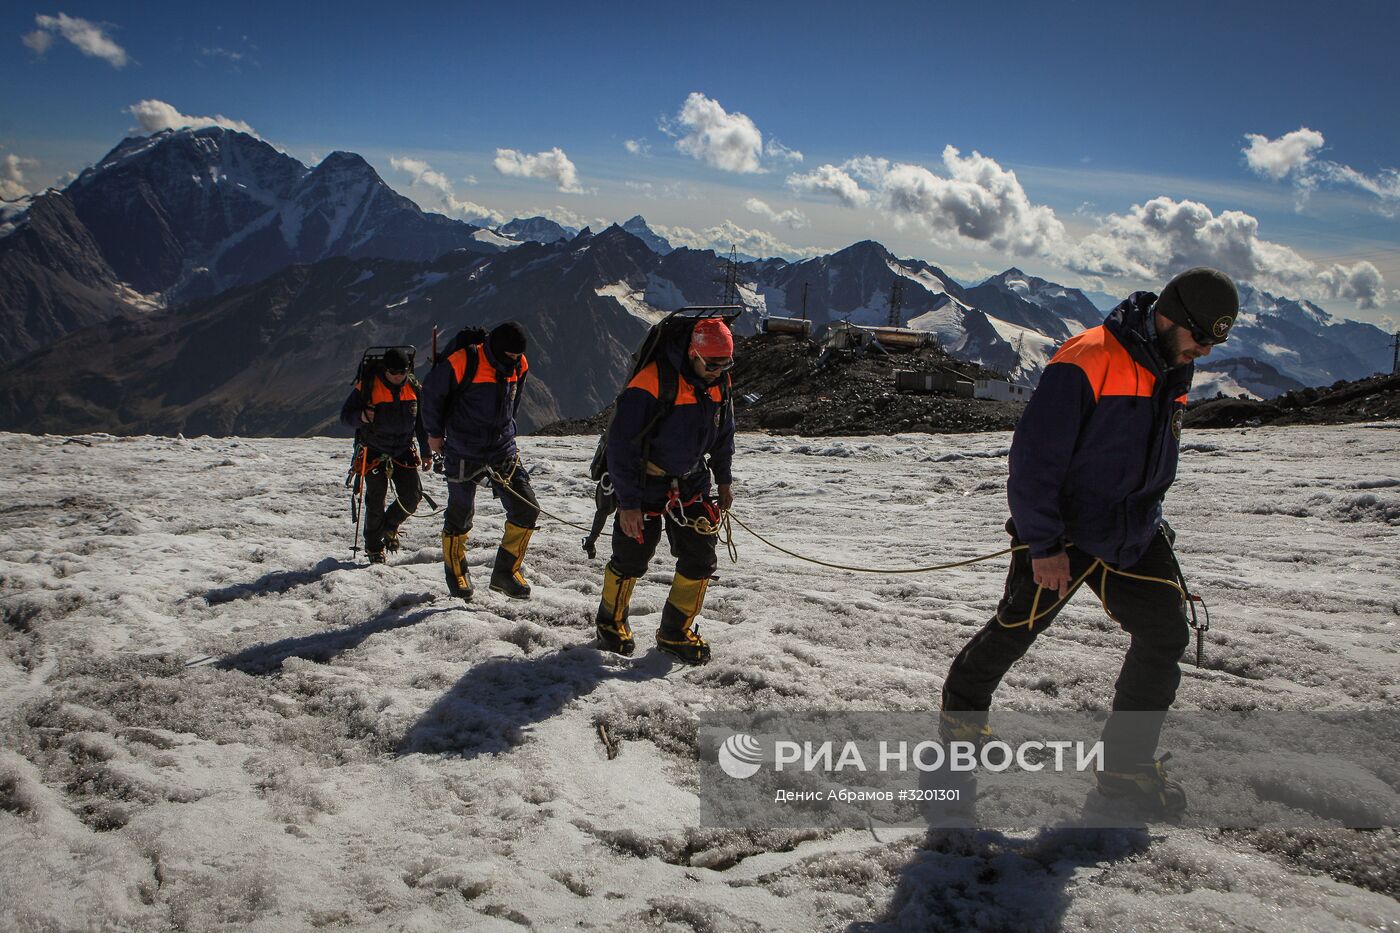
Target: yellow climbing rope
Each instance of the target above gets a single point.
(882, 570)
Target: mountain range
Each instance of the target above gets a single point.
(203, 282)
(187, 214)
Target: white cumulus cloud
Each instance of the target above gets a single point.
(1278, 158)
(828, 179)
(723, 236)
(1292, 156)
(1161, 237)
(552, 165)
(726, 141)
(12, 183)
(153, 116)
(638, 147)
(88, 37)
(778, 152)
(793, 219)
(425, 176)
(422, 173)
(977, 200)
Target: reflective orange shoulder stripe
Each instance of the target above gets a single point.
(685, 393)
(1107, 364)
(648, 381)
(459, 364)
(524, 365)
(408, 393)
(1181, 400)
(485, 372)
(381, 393)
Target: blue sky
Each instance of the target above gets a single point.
(1098, 144)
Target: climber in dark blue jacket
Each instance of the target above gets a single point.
(387, 421)
(663, 474)
(469, 407)
(1091, 460)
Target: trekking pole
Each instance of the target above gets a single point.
(355, 480)
(357, 496)
(1198, 626)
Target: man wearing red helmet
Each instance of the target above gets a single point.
(667, 482)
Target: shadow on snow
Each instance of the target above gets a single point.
(972, 879)
(323, 646)
(490, 709)
(279, 581)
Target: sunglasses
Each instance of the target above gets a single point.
(1200, 336)
(716, 365)
(395, 372)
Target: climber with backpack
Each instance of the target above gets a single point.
(470, 400)
(672, 430)
(383, 410)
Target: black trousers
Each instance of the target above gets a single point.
(461, 495)
(1153, 614)
(694, 552)
(408, 490)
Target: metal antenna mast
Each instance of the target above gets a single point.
(730, 279)
(896, 301)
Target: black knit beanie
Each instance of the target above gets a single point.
(394, 358)
(507, 338)
(1203, 299)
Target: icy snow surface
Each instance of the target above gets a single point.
(210, 718)
(632, 301)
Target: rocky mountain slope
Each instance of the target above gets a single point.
(187, 214)
(1373, 399)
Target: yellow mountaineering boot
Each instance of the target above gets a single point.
(677, 635)
(614, 634)
(454, 562)
(505, 573)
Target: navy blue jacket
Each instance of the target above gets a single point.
(396, 419)
(1096, 449)
(480, 428)
(700, 425)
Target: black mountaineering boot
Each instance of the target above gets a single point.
(1145, 786)
(454, 563)
(391, 540)
(375, 557)
(678, 635)
(505, 573)
(614, 634)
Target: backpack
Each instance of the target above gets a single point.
(669, 328)
(372, 366)
(675, 326)
(466, 338)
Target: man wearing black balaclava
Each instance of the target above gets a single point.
(469, 408)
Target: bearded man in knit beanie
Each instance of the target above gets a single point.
(1091, 461)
